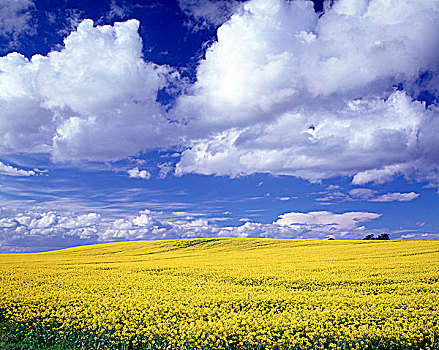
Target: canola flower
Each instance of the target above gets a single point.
(226, 294)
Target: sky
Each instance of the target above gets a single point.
(142, 120)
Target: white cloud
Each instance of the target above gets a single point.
(362, 193)
(46, 220)
(342, 143)
(33, 230)
(258, 230)
(24, 126)
(420, 235)
(396, 197)
(15, 17)
(9, 170)
(73, 17)
(188, 215)
(285, 91)
(85, 220)
(94, 99)
(367, 194)
(378, 176)
(165, 169)
(135, 173)
(326, 220)
(282, 91)
(330, 194)
(116, 11)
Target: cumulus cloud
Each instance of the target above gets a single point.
(156, 225)
(94, 99)
(35, 230)
(329, 221)
(135, 173)
(378, 176)
(80, 221)
(9, 170)
(285, 91)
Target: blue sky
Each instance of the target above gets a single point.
(126, 120)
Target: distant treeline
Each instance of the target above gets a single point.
(381, 237)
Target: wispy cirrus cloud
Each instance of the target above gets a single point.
(208, 13)
(336, 194)
(15, 18)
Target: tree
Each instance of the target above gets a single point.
(383, 237)
(369, 237)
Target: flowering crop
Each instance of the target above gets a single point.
(226, 294)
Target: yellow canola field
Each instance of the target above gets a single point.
(230, 294)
